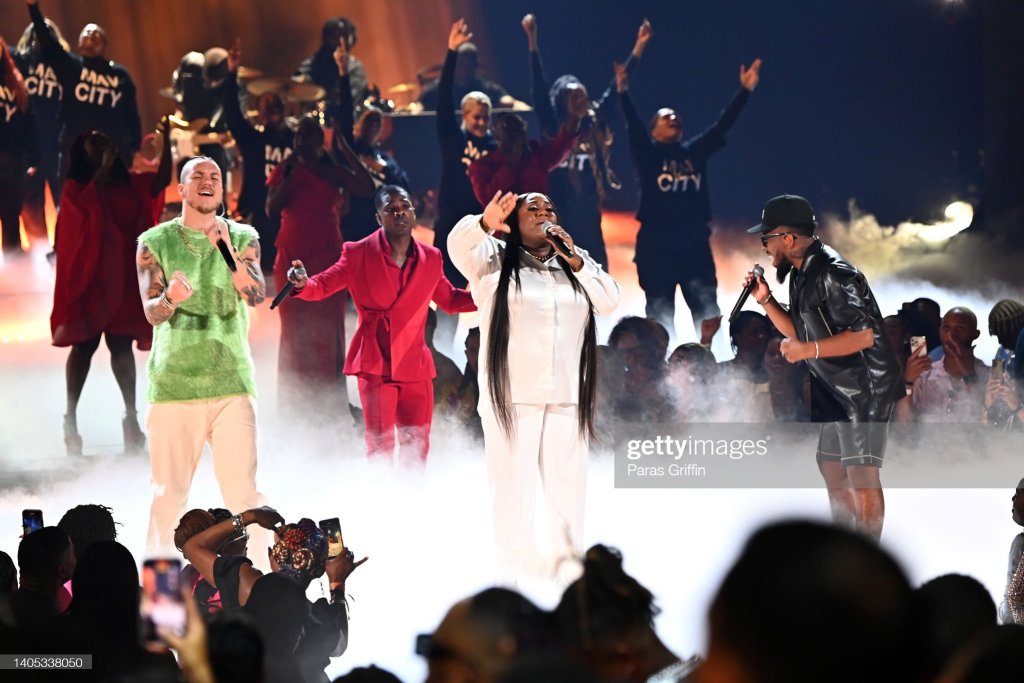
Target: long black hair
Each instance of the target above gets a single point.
(498, 337)
(83, 169)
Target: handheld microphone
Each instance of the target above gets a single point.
(226, 253)
(758, 272)
(285, 291)
(559, 242)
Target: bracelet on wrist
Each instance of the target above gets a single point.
(239, 525)
(765, 300)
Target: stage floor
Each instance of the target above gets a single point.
(428, 535)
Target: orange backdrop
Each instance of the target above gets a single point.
(395, 37)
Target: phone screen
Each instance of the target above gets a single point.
(31, 520)
(332, 529)
(161, 605)
(918, 346)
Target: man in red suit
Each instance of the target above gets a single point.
(392, 280)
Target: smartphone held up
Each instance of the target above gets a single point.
(162, 605)
(332, 530)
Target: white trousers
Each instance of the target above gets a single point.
(177, 434)
(546, 441)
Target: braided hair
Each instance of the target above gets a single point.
(301, 551)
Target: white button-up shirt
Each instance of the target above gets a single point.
(547, 319)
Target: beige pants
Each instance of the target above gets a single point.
(547, 442)
(177, 434)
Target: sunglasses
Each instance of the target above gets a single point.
(766, 236)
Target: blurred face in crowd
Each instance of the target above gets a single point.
(465, 66)
(668, 127)
(959, 329)
(309, 138)
(455, 655)
(92, 42)
(510, 132)
(476, 118)
(754, 336)
(271, 108)
(896, 332)
(368, 127)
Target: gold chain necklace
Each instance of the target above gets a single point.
(188, 245)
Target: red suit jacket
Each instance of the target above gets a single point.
(384, 312)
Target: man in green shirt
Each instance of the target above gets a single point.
(201, 385)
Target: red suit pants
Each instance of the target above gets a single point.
(403, 407)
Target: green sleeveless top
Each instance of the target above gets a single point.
(202, 351)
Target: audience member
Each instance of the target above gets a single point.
(520, 165)
(606, 622)
(8, 574)
(103, 617)
(465, 80)
(482, 636)
(952, 388)
(640, 344)
(263, 147)
(1005, 389)
(955, 610)
(998, 658)
(581, 181)
(691, 385)
(88, 524)
(46, 561)
(1011, 608)
(797, 604)
(788, 384)
(322, 69)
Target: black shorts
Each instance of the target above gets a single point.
(853, 443)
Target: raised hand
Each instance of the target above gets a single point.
(643, 36)
(621, 77)
(750, 77)
(297, 274)
(709, 328)
(266, 516)
(529, 23)
(498, 210)
(179, 289)
(235, 56)
(341, 56)
(339, 568)
(459, 35)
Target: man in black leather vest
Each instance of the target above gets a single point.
(834, 324)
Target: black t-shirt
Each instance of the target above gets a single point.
(99, 94)
(45, 90)
(673, 176)
(459, 149)
(18, 135)
(262, 149)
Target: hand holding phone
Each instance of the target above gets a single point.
(31, 520)
(918, 346)
(162, 605)
(332, 530)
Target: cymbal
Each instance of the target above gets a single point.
(248, 72)
(288, 89)
(403, 87)
(167, 92)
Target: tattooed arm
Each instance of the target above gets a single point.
(159, 299)
(248, 279)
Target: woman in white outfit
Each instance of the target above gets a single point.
(538, 348)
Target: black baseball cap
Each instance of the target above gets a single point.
(786, 209)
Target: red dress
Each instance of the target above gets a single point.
(312, 349)
(97, 286)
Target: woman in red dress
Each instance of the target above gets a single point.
(309, 191)
(103, 209)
